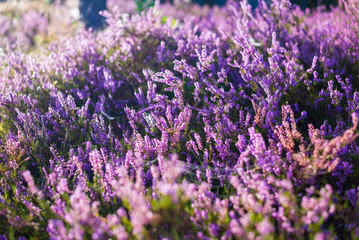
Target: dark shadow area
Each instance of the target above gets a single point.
(89, 10)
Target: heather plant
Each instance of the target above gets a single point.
(230, 123)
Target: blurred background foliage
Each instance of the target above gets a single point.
(34, 23)
(302, 3)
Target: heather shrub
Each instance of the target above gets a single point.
(231, 123)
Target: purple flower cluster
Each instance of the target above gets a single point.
(230, 123)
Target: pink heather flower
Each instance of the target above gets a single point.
(13, 148)
(235, 181)
(120, 232)
(199, 141)
(209, 175)
(121, 212)
(57, 229)
(62, 186)
(96, 162)
(98, 234)
(213, 229)
(189, 189)
(168, 189)
(241, 144)
(161, 164)
(265, 227)
(173, 168)
(198, 175)
(194, 147)
(30, 182)
(76, 232)
(155, 173)
(59, 207)
(235, 228)
(81, 207)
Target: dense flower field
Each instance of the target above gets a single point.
(224, 123)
